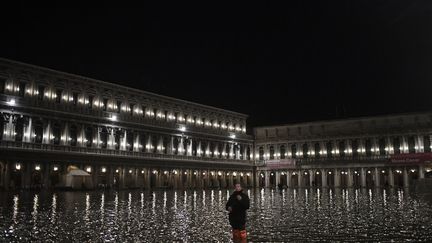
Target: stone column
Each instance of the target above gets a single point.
(350, 178)
(311, 178)
(405, 177)
(277, 174)
(28, 131)
(231, 151)
(267, 179)
(390, 177)
(377, 177)
(300, 179)
(123, 141)
(323, 178)
(189, 143)
(9, 128)
(81, 136)
(421, 172)
(336, 178)
(149, 145)
(46, 137)
(363, 177)
(170, 148)
(288, 177)
(257, 179)
(65, 135)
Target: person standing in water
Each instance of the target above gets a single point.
(237, 205)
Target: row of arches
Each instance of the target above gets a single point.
(352, 148)
(95, 100)
(35, 130)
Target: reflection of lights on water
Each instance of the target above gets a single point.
(87, 208)
(15, 208)
(53, 208)
(116, 202)
(35, 207)
(102, 208)
(175, 200)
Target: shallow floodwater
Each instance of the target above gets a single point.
(191, 216)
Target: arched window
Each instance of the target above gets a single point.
(73, 135)
(261, 153)
(342, 148)
(272, 152)
(382, 146)
(19, 129)
(396, 145)
(88, 133)
(427, 143)
(355, 147)
(56, 130)
(305, 150)
(176, 143)
(293, 151)
(368, 147)
(317, 150)
(411, 145)
(104, 138)
(282, 151)
(117, 135)
(38, 129)
(130, 140)
(329, 147)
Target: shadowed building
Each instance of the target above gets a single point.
(54, 123)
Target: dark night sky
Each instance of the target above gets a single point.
(279, 64)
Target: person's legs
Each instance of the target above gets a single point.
(239, 233)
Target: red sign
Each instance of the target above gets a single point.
(411, 158)
(280, 163)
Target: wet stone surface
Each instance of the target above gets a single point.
(191, 216)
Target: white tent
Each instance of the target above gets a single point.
(78, 179)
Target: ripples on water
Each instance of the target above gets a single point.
(190, 216)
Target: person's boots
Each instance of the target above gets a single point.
(239, 236)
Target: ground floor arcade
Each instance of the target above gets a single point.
(382, 176)
(29, 175)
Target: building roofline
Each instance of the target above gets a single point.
(360, 118)
(242, 115)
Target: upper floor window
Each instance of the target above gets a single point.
(90, 103)
(427, 143)
(21, 90)
(105, 104)
(41, 90)
(282, 152)
(118, 106)
(58, 95)
(75, 98)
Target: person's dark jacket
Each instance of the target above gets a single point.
(237, 216)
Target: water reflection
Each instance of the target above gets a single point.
(15, 208)
(190, 216)
(53, 208)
